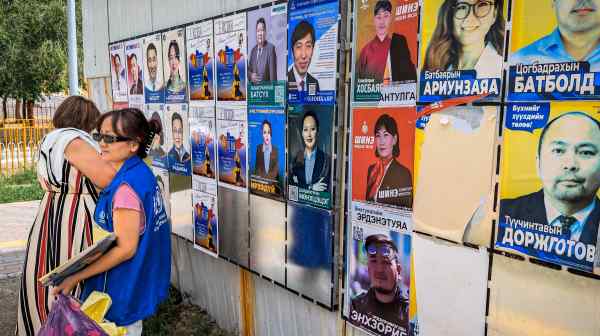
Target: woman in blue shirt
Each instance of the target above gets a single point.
(135, 272)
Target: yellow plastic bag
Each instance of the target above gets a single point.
(95, 307)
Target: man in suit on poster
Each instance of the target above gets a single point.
(303, 44)
(263, 57)
(569, 167)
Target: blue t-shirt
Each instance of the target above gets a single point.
(138, 285)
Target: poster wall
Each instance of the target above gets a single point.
(178, 157)
(378, 277)
(174, 66)
(386, 52)
(266, 131)
(382, 155)
(267, 45)
(154, 90)
(232, 147)
(312, 56)
(163, 141)
(205, 215)
(135, 73)
(550, 176)
(550, 58)
(200, 61)
(231, 55)
(462, 48)
(203, 139)
(310, 129)
(118, 73)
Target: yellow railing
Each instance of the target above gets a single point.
(19, 143)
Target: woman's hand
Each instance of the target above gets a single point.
(66, 286)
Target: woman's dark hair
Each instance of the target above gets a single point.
(389, 124)
(173, 44)
(156, 116)
(444, 50)
(309, 114)
(268, 123)
(76, 112)
(131, 123)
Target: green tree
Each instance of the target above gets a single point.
(33, 49)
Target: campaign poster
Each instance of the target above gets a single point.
(382, 155)
(549, 181)
(205, 216)
(232, 147)
(266, 132)
(267, 46)
(118, 73)
(312, 55)
(462, 50)
(162, 141)
(378, 276)
(135, 73)
(203, 139)
(178, 158)
(553, 55)
(231, 57)
(200, 59)
(173, 44)
(310, 148)
(385, 56)
(162, 179)
(154, 88)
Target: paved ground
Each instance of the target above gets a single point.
(15, 221)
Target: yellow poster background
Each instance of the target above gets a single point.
(531, 20)
(518, 170)
(429, 18)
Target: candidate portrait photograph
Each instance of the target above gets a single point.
(303, 47)
(262, 65)
(568, 166)
(267, 160)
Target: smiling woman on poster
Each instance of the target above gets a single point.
(311, 166)
(469, 36)
(388, 181)
(175, 84)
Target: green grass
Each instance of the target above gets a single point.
(20, 187)
(175, 317)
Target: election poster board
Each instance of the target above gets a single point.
(173, 44)
(385, 55)
(462, 49)
(266, 132)
(267, 46)
(201, 62)
(549, 181)
(135, 73)
(203, 137)
(118, 72)
(382, 155)
(161, 143)
(178, 158)
(205, 216)
(379, 268)
(312, 56)
(232, 147)
(310, 129)
(549, 59)
(231, 57)
(154, 88)
(162, 179)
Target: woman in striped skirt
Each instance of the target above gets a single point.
(69, 167)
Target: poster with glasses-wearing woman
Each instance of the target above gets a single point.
(463, 48)
(309, 160)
